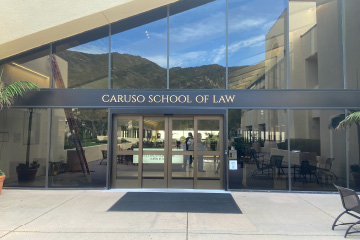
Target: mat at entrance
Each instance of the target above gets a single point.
(177, 202)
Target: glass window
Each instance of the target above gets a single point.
(317, 150)
(78, 148)
(32, 67)
(256, 44)
(82, 61)
(23, 151)
(354, 153)
(197, 47)
(256, 135)
(154, 134)
(352, 40)
(208, 135)
(315, 45)
(127, 134)
(139, 51)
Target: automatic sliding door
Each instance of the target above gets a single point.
(154, 159)
(126, 152)
(208, 152)
(168, 152)
(181, 171)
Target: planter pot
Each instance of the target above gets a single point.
(2, 178)
(356, 177)
(26, 174)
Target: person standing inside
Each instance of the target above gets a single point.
(200, 147)
(190, 147)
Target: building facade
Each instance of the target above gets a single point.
(161, 95)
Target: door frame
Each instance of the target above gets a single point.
(113, 113)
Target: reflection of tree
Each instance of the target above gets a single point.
(93, 121)
(234, 121)
(353, 118)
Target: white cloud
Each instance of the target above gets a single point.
(251, 42)
(269, 25)
(199, 58)
(239, 23)
(160, 60)
(207, 27)
(188, 59)
(92, 48)
(218, 54)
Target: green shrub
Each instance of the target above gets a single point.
(241, 146)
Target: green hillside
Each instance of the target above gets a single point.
(134, 72)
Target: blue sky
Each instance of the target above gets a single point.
(197, 36)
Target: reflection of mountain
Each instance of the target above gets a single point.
(128, 71)
(85, 68)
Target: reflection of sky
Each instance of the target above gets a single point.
(197, 36)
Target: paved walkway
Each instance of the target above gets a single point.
(82, 214)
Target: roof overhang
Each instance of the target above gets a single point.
(39, 22)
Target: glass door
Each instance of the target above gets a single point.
(168, 152)
(127, 155)
(154, 157)
(208, 151)
(181, 168)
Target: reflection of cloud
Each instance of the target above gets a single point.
(239, 23)
(188, 59)
(97, 47)
(251, 42)
(159, 35)
(160, 60)
(218, 54)
(211, 26)
(199, 58)
(268, 25)
(196, 58)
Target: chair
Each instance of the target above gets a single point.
(306, 169)
(264, 167)
(254, 154)
(277, 163)
(104, 155)
(351, 203)
(326, 172)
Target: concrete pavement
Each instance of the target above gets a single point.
(82, 214)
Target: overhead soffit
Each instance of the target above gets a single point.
(42, 25)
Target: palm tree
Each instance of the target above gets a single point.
(10, 92)
(8, 95)
(353, 118)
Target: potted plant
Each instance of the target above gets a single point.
(8, 95)
(27, 171)
(2, 178)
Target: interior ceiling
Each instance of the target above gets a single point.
(28, 26)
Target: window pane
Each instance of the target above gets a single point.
(82, 61)
(127, 134)
(139, 54)
(70, 128)
(354, 153)
(31, 67)
(315, 45)
(256, 136)
(256, 44)
(208, 135)
(317, 150)
(23, 151)
(154, 134)
(352, 40)
(197, 47)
